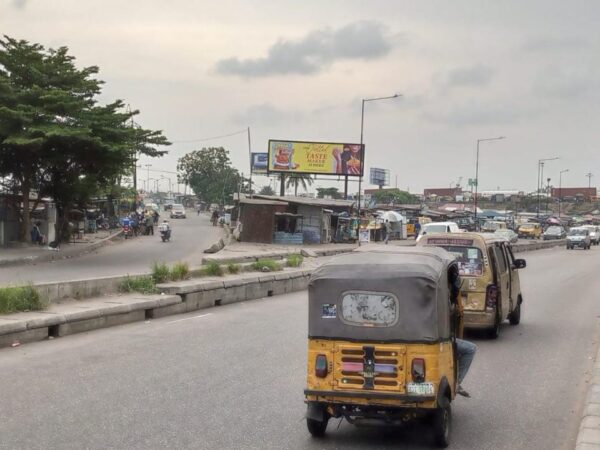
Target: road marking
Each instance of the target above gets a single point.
(190, 318)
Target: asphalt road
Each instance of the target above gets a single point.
(190, 238)
(232, 378)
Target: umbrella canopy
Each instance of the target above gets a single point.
(553, 221)
(392, 216)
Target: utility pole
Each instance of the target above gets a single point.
(251, 162)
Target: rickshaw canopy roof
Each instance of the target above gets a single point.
(401, 293)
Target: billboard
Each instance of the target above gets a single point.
(326, 158)
(259, 163)
(379, 177)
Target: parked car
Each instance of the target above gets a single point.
(554, 232)
(507, 234)
(466, 223)
(178, 211)
(579, 237)
(530, 231)
(438, 227)
(594, 233)
(490, 226)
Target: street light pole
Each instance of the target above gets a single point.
(477, 167)
(560, 190)
(541, 180)
(362, 124)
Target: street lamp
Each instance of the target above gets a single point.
(477, 167)
(167, 178)
(540, 181)
(362, 123)
(560, 190)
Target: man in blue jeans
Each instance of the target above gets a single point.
(465, 352)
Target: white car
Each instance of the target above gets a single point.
(177, 211)
(594, 233)
(437, 228)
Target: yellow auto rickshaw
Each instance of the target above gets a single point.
(383, 322)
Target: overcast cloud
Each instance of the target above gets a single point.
(467, 70)
(315, 52)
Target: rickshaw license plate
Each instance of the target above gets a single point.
(420, 388)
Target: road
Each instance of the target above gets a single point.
(191, 237)
(232, 378)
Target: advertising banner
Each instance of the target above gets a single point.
(326, 158)
(260, 163)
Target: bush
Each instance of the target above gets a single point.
(143, 285)
(180, 271)
(295, 260)
(233, 268)
(266, 265)
(213, 269)
(20, 298)
(160, 273)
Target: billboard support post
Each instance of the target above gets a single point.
(346, 187)
(362, 122)
(250, 154)
(282, 185)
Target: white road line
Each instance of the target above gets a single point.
(190, 318)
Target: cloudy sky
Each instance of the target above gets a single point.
(467, 70)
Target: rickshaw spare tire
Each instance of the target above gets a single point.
(442, 422)
(317, 427)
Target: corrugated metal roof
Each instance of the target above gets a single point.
(323, 202)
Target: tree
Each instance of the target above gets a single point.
(298, 179)
(395, 196)
(329, 192)
(266, 190)
(210, 174)
(55, 139)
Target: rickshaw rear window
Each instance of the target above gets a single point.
(470, 259)
(369, 309)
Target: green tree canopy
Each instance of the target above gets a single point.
(329, 192)
(266, 190)
(211, 175)
(55, 139)
(298, 179)
(395, 196)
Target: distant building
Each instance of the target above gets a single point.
(443, 192)
(581, 192)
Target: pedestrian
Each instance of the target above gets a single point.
(149, 224)
(388, 231)
(417, 228)
(155, 216)
(198, 208)
(215, 218)
(36, 234)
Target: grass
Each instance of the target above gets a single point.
(20, 298)
(295, 260)
(143, 285)
(180, 271)
(266, 265)
(233, 268)
(160, 273)
(213, 269)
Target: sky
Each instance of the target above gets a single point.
(466, 70)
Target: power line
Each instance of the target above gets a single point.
(244, 131)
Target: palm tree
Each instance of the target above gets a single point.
(298, 179)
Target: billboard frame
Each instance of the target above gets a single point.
(293, 172)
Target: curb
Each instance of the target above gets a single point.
(54, 256)
(176, 298)
(588, 437)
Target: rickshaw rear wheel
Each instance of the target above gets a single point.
(442, 421)
(317, 427)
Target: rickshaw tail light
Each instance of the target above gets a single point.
(418, 370)
(321, 366)
(491, 296)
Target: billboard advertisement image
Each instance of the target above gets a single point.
(260, 163)
(326, 158)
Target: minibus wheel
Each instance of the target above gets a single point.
(515, 316)
(442, 420)
(317, 427)
(494, 332)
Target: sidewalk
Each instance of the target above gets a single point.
(589, 430)
(28, 253)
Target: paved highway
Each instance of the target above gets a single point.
(232, 378)
(191, 237)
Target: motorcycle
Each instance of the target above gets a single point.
(127, 231)
(165, 232)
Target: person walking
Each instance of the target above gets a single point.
(388, 231)
(149, 224)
